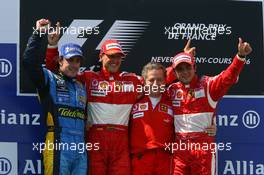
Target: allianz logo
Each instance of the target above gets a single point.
(250, 119)
(5, 166)
(5, 67)
(9, 118)
(243, 167)
(33, 167)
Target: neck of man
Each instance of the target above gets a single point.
(155, 95)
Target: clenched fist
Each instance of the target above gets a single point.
(42, 25)
(244, 48)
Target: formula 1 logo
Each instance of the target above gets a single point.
(5, 166)
(126, 32)
(5, 67)
(80, 30)
(251, 119)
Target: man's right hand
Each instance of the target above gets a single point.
(42, 25)
(211, 130)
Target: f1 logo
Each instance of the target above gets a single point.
(5, 166)
(5, 67)
(126, 32)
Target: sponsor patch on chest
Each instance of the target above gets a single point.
(179, 94)
(166, 109)
(98, 93)
(199, 93)
(143, 107)
(138, 114)
(176, 103)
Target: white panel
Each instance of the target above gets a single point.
(9, 17)
(197, 122)
(8, 158)
(103, 113)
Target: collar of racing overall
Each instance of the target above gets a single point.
(108, 75)
(193, 82)
(66, 77)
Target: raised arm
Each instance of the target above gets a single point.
(220, 84)
(52, 53)
(32, 56)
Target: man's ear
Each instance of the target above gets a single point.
(60, 60)
(101, 57)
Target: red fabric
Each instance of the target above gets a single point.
(51, 64)
(51, 59)
(94, 79)
(111, 47)
(151, 128)
(171, 76)
(185, 96)
(182, 57)
(195, 161)
(198, 99)
(152, 162)
(112, 158)
(220, 84)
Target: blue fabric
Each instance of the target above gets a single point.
(70, 50)
(69, 98)
(73, 161)
(65, 100)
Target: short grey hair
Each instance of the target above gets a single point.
(153, 66)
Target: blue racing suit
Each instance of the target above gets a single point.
(63, 100)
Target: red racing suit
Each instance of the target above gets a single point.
(109, 113)
(150, 131)
(110, 100)
(194, 109)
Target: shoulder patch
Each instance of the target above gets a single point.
(203, 80)
(127, 74)
(132, 76)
